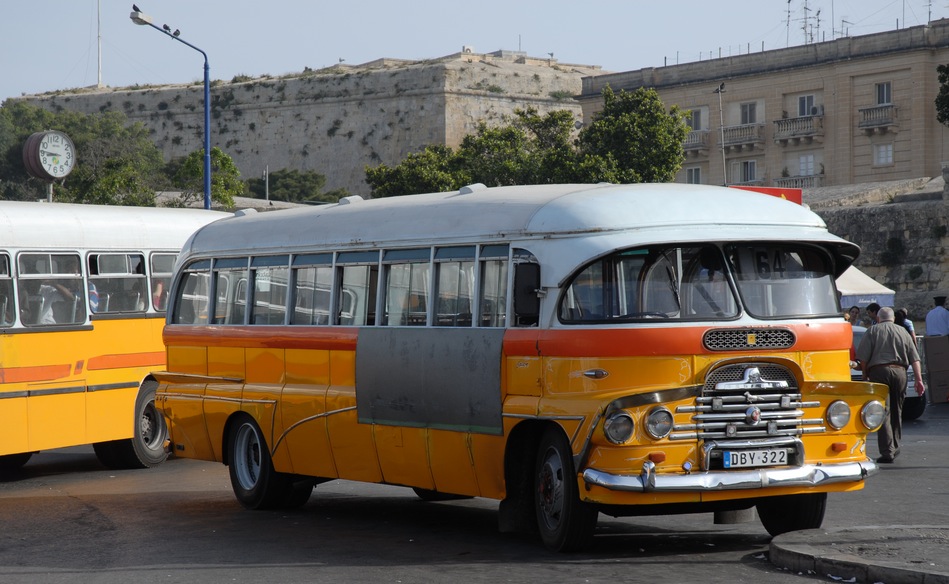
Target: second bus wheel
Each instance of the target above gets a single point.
(255, 482)
(146, 448)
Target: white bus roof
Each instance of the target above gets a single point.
(615, 215)
(52, 226)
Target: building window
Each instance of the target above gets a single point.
(884, 94)
(695, 119)
(748, 168)
(806, 165)
(744, 171)
(882, 154)
(805, 106)
(749, 113)
(693, 175)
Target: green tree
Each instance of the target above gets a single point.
(116, 163)
(187, 175)
(633, 139)
(942, 98)
(635, 130)
(295, 186)
(434, 169)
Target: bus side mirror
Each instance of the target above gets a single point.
(526, 300)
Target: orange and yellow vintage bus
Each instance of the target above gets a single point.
(83, 290)
(565, 349)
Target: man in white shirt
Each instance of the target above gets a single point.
(937, 320)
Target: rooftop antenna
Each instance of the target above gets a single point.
(787, 42)
(844, 32)
(99, 30)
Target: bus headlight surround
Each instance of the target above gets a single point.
(838, 414)
(618, 427)
(659, 423)
(872, 414)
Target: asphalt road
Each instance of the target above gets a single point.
(68, 519)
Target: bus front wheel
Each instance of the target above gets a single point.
(792, 512)
(565, 522)
(255, 482)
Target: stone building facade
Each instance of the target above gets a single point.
(851, 110)
(337, 121)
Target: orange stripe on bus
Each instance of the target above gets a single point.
(152, 359)
(627, 342)
(284, 337)
(573, 342)
(32, 374)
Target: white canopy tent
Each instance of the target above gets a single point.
(859, 289)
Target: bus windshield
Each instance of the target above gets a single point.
(777, 281)
(655, 282)
(690, 283)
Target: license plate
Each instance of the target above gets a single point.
(746, 458)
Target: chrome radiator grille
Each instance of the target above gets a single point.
(746, 406)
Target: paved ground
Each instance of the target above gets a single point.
(890, 555)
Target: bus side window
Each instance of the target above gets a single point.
(270, 276)
(493, 292)
(406, 294)
(357, 295)
(51, 289)
(191, 301)
(526, 300)
(117, 283)
(455, 280)
(163, 265)
(7, 302)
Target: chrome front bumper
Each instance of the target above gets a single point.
(808, 475)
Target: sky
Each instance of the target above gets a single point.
(54, 44)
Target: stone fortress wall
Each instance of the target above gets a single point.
(902, 228)
(337, 121)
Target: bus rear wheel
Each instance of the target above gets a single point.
(255, 482)
(792, 512)
(147, 446)
(565, 522)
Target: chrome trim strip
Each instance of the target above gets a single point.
(809, 475)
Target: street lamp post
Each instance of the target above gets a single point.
(139, 17)
(721, 121)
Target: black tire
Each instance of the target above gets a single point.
(430, 495)
(792, 512)
(10, 463)
(565, 523)
(297, 493)
(107, 453)
(148, 445)
(913, 408)
(253, 479)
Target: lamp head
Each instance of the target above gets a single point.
(140, 18)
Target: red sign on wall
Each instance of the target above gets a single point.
(793, 195)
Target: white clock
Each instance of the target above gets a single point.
(49, 155)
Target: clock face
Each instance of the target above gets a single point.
(56, 154)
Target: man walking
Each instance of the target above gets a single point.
(885, 352)
(937, 319)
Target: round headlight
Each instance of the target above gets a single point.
(618, 427)
(838, 414)
(659, 423)
(872, 414)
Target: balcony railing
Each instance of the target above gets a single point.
(696, 142)
(800, 182)
(880, 118)
(796, 130)
(745, 136)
